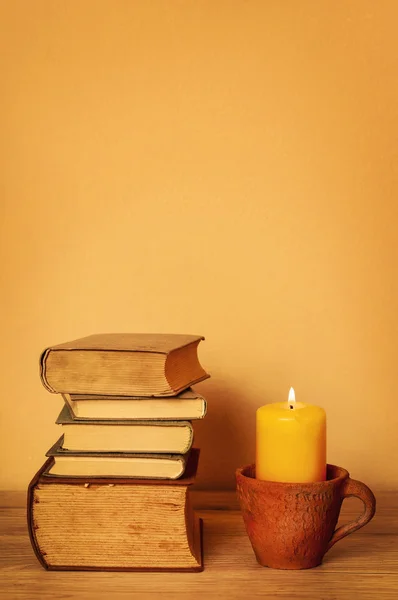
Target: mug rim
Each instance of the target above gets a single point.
(342, 474)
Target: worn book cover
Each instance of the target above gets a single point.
(126, 364)
(125, 435)
(114, 524)
(114, 464)
(186, 406)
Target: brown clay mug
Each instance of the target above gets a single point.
(292, 525)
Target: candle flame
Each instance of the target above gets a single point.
(292, 397)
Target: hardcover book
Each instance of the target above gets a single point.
(114, 524)
(187, 406)
(114, 464)
(125, 364)
(125, 436)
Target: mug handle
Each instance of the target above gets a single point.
(361, 491)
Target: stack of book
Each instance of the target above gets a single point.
(114, 492)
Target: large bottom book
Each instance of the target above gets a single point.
(114, 524)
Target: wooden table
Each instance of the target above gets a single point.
(362, 566)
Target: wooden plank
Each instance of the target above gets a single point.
(364, 564)
(241, 583)
(227, 546)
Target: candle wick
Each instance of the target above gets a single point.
(291, 406)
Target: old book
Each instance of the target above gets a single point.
(126, 364)
(115, 464)
(114, 524)
(188, 405)
(125, 436)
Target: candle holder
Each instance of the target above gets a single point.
(292, 525)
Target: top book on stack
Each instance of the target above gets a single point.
(125, 364)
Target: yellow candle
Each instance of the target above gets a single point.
(291, 442)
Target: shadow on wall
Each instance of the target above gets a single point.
(226, 436)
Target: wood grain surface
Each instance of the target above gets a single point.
(364, 564)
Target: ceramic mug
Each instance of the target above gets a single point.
(292, 525)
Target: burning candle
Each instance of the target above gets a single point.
(291, 442)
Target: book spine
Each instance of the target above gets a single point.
(30, 516)
(190, 441)
(43, 376)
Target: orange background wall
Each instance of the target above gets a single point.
(227, 168)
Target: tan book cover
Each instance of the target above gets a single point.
(126, 364)
(138, 465)
(186, 406)
(166, 436)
